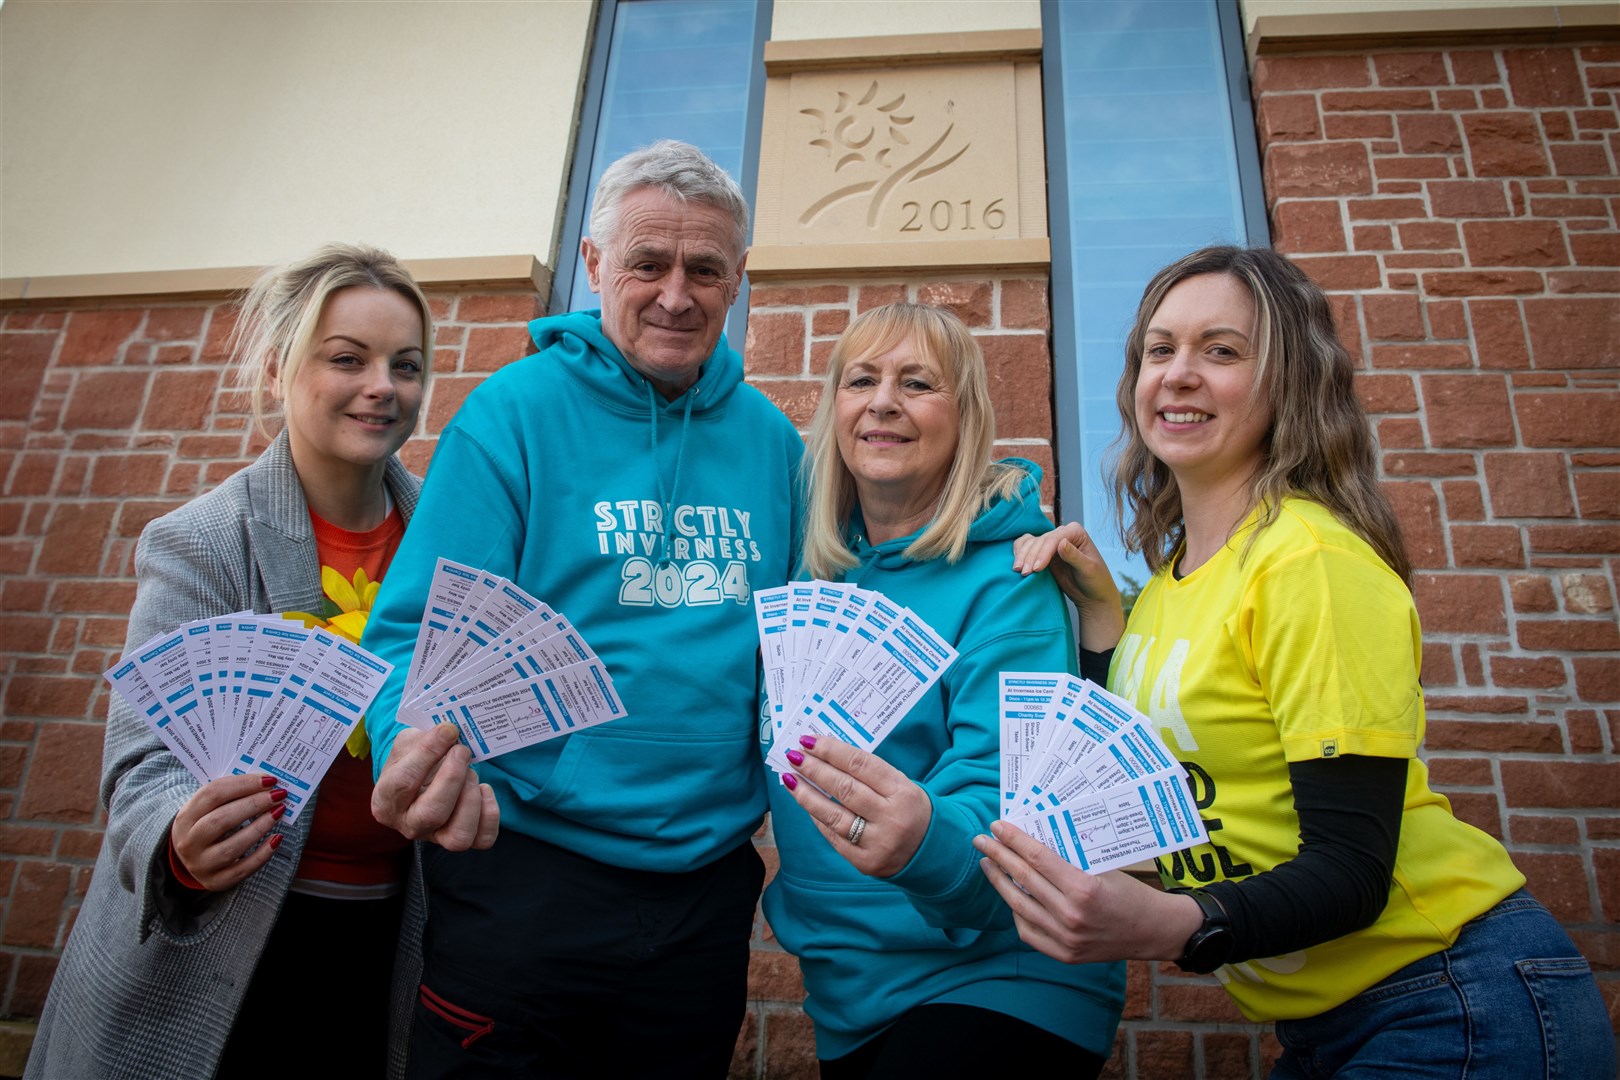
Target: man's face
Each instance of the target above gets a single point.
(666, 281)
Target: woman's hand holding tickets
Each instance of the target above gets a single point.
(429, 791)
(1083, 577)
(219, 834)
(1077, 917)
(895, 811)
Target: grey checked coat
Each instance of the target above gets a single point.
(152, 976)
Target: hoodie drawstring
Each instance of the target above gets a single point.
(668, 500)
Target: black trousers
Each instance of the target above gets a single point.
(540, 962)
(943, 1041)
(327, 966)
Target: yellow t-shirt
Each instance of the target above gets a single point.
(1304, 646)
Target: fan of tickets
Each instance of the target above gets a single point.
(842, 661)
(251, 693)
(1087, 775)
(503, 667)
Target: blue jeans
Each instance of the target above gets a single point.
(1512, 999)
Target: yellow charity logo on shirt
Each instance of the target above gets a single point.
(1330, 748)
(344, 610)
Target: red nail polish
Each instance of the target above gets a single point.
(807, 741)
(267, 781)
(790, 781)
(275, 815)
(795, 757)
(278, 794)
(275, 841)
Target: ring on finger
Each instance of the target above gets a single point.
(856, 828)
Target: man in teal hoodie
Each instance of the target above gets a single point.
(590, 898)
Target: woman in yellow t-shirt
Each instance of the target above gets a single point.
(1277, 649)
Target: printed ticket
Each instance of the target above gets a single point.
(1141, 820)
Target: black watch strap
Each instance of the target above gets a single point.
(1211, 944)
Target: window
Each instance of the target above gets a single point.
(1151, 153)
(666, 69)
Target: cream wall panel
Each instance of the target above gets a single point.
(155, 136)
(1254, 9)
(796, 20)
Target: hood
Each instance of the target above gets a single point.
(1003, 520)
(577, 342)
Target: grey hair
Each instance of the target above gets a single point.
(680, 170)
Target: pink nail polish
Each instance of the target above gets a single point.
(790, 781)
(807, 741)
(795, 757)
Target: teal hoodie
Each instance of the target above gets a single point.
(548, 476)
(937, 932)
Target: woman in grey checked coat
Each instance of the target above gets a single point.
(157, 974)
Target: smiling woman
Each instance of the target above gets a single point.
(205, 913)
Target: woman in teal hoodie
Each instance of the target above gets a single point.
(910, 960)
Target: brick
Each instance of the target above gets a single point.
(1575, 539)
(1456, 100)
(1336, 272)
(1024, 304)
(498, 307)
(1543, 77)
(1411, 69)
(1392, 433)
(1479, 809)
(1358, 126)
(1227, 1054)
(1597, 678)
(1307, 226)
(1598, 494)
(75, 537)
(490, 348)
(180, 401)
(1020, 384)
(1418, 510)
(81, 844)
(1584, 281)
(1372, 237)
(1573, 332)
(1483, 705)
(1424, 260)
(1459, 603)
(1569, 206)
(1527, 672)
(1377, 101)
(829, 322)
(1595, 249)
(1503, 736)
(1467, 410)
(1447, 320)
(790, 1046)
(970, 301)
(445, 398)
(1537, 829)
(795, 397)
(1596, 119)
(215, 446)
(1568, 420)
(1426, 464)
(1277, 73)
(1288, 118)
(1422, 356)
(1493, 99)
(1438, 666)
(1164, 1053)
(174, 324)
(34, 974)
(1386, 393)
(1463, 500)
(768, 296)
(1487, 545)
(1428, 133)
(1347, 321)
(1469, 283)
(1558, 881)
(1475, 66)
(34, 912)
(1528, 484)
(97, 337)
(1568, 635)
(775, 343)
(18, 634)
(24, 358)
(1515, 243)
(1499, 335)
(1386, 209)
(1582, 159)
(1316, 170)
(1197, 1003)
(106, 399)
(63, 776)
(1398, 175)
(128, 474)
(1467, 198)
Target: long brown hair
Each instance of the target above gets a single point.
(1319, 445)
